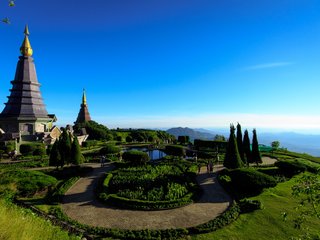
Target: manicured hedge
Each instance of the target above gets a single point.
(135, 158)
(56, 194)
(69, 172)
(89, 143)
(230, 215)
(109, 149)
(293, 167)
(27, 182)
(145, 205)
(249, 205)
(175, 150)
(32, 149)
(106, 182)
(245, 182)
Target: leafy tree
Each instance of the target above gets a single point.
(275, 145)
(255, 156)
(65, 147)
(95, 130)
(183, 139)
(150, 139)
(246, 148)
(55, 157)
(218, 137)
(76, 155)
(129, 139)
(307, 190)
(239, 142)
(232, 158)
(119, 138)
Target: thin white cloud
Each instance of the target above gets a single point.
(268, 65)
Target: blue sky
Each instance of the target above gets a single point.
(164, 63)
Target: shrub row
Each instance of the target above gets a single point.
(57, 193)
(109, 149)
(135, 158)
(37, 149)
(69, 172)
(100, 232)
(248, 205)
(175, 150)
(144, 204)
(26, 164)
(230, 215)
(293, 167)
(245, 182)
(106, 182)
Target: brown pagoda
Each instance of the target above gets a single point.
(83, 115)
(25, 116)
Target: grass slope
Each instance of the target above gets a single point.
(268, 222)
(20, 224)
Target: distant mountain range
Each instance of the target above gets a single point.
(304, 143)
(192, 133)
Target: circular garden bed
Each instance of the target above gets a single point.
(150, 187)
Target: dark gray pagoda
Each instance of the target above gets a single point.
(83, 115)
(25, 116)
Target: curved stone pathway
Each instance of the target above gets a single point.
(80, 204)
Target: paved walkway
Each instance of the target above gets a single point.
(80, 204)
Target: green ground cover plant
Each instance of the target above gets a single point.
(281, 154)
(25, 182)
(18, 223)
(267, 223)
(150, 187)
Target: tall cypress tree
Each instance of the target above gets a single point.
(76, 155)
(65, 147)
(256, 157)
(246, 148)
(55, 157)
(239, 142)
(232, 159)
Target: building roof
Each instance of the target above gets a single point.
(25, 98)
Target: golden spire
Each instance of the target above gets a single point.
(84, 97)
(25, 48)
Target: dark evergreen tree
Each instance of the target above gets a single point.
(65, 147)
(55, 157)
(255, 156)
(239, 142)
(95, 130)
(246, 148)
(76, 155)
(232, 159)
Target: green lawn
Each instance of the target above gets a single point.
(282, 155)
(21, 224)
(268, 222)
